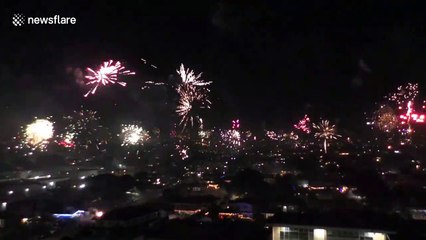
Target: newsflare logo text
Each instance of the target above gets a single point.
(19, 19)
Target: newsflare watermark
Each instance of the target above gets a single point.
(19, 19)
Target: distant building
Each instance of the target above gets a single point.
(131, 216)
(333, 225)
(237, 210)
(306, 232)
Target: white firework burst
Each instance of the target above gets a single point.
(193, 96)
(325, 131)
(132, 134)
(189, 78)
(38, 133)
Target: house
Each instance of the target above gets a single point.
(311, 232)
(350, 225)
(132, 216)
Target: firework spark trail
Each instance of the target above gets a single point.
(106, 74)
(149, 84)
(408, 118)
(411, 116)
(146, 62)
(325, 131)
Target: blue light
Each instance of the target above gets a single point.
(77, 214)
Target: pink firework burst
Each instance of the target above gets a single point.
(304, 124)
(236, 124)
(106, 74)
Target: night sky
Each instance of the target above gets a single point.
(270, 61)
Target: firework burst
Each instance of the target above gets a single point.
(231, 138)
(189, 103)
(385, 119)
(67, 140)
(190, 78)
(204, 136)
(274, 135)
(193, 96)
(38, 133)
(132, 134)
(236, 124)
(107, 74)
(404, 94)
(325, 131)
(304, 125)
(404, 99)
(83, 131)
(183, 151)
